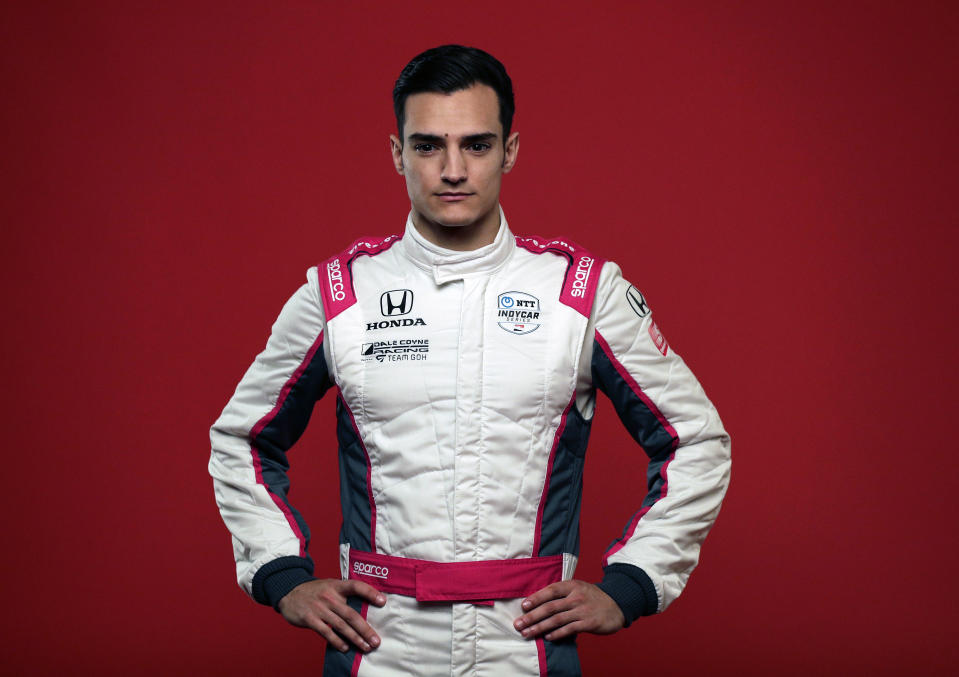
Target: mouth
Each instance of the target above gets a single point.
(452, 196)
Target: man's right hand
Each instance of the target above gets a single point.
(321, 606)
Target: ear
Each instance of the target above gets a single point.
(396, 148)
(512, 151)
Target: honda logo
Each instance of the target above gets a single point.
(396, 302)
(636, 301)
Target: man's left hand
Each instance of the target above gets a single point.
(566, 608)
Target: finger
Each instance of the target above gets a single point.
(326, 632)
(551, 623)
(344, 630)
(364, 590)
(542, 611)
(547, 610)
(358, 623)
(551, 591)
(566, 631)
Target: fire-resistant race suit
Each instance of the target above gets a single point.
(465, 390)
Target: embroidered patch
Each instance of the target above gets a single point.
(518, 312)
(403, 350)
(396, 302)
(658, 338)
(636, 301)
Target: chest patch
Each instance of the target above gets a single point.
(403, 350)
(518, 312)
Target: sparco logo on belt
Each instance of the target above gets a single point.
(581, 277)
(370, 570)
(335, 276)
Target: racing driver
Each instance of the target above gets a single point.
(465, 362)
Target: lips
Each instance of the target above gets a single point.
(452, 197)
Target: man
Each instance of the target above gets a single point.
(466, 361)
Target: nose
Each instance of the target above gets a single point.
(454, 168)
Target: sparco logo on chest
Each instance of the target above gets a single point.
(371, 569)
(581, 277)
(335, 276)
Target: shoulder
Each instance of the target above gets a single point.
(583, 268)
(367, 246)
(334, 276)
(562, 246)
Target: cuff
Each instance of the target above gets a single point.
(275, 579)
(631, 589)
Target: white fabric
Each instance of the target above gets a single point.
(460, 441)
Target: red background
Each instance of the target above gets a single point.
(779, 179)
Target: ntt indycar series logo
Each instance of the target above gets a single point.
(370, 570)
(518, 312)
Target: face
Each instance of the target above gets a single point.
(454, 158)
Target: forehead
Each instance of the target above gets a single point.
(467, 111)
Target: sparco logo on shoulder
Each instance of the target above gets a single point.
(371, 569)
(335, 276)
(581, 277)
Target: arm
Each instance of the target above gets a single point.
(265, 417)
(666, 411)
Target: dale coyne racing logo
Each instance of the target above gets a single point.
(518, 312)
(403, 350)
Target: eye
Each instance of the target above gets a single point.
(478, 147)
(424, 148)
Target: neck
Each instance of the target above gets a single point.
(459, 238)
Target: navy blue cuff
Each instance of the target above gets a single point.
(631, 589)
(275, 579)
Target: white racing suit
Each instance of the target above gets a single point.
(465, 391)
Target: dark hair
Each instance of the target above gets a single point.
(448, 69)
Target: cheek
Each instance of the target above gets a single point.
(412, 177)
(489, 180)
(411, 190)
(414, 185)
(417, 176)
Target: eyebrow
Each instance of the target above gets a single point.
(482, 137)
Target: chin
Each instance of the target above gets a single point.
(455, 218)
(455, 223)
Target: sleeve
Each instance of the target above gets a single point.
(666, 411)
(265, 417)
